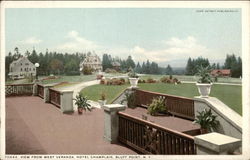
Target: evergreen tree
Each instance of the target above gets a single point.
(138, 68)
(130, 62)
(189, 67)
(218, 66)
(147, 68)
(169, 70)
(234, 64)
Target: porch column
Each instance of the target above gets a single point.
(111, 121)
(46, 92)
(66, 100)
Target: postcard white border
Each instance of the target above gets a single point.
(244, 5)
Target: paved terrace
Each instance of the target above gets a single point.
(35, 127)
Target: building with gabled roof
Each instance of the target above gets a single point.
(22, 68)
(221, 73)
(93, 62)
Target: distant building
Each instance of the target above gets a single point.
(221, 73)
(116, 66)
(91, 61)
(22, 68)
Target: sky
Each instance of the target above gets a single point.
(163, 35)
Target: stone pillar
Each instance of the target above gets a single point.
(35, 89)
(111, 121)
(216, 143)
(66, 100)
(46, 92)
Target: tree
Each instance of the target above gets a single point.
(189, 67)
(218, 66)
(71, 67)
(169, 70)
(130, 62)
(33, 57)
(106, 61)
(234, 64)
(16, 55)
(56, 65)
(138, 68)
(147, 67)
(154, 69)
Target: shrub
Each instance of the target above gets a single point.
(110, 70)
(102, 81)
(150, 80)
(157, 105)
(87, 70)
(141, 81)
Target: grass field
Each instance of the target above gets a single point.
(111, 91)
(229, 94)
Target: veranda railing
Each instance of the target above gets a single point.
(54, 97)
(180, 106)
(150, 138)
(18, 89)
(40, 91)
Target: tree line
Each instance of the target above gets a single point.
(68, 64)
(231, 62)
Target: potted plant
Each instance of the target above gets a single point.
(157, 106)
(103, 100)
(205, 81)
(82, 103)
(206, 120)
(133, 79)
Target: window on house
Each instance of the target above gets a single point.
(21, 69)
(21, 63)
(30, 69)
(34, 69)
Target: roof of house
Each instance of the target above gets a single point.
(116, 64)
(222, 71)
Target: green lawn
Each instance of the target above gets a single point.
(111, 91)
(229, 94)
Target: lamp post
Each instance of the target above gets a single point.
(37, 65)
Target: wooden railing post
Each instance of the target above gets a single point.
(46, 92)
(66, 104)
(111, 121)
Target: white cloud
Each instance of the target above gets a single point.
(76, 43)
(32, 40)
(175, 49)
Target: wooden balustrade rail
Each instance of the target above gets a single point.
(18, 89)
(40, 91)
(54, 97)
(179, 106)
(150, 138)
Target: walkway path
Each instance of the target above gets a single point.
(78, 87)
(234, 84)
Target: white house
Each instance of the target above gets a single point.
(91, 61)
(21, 68)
